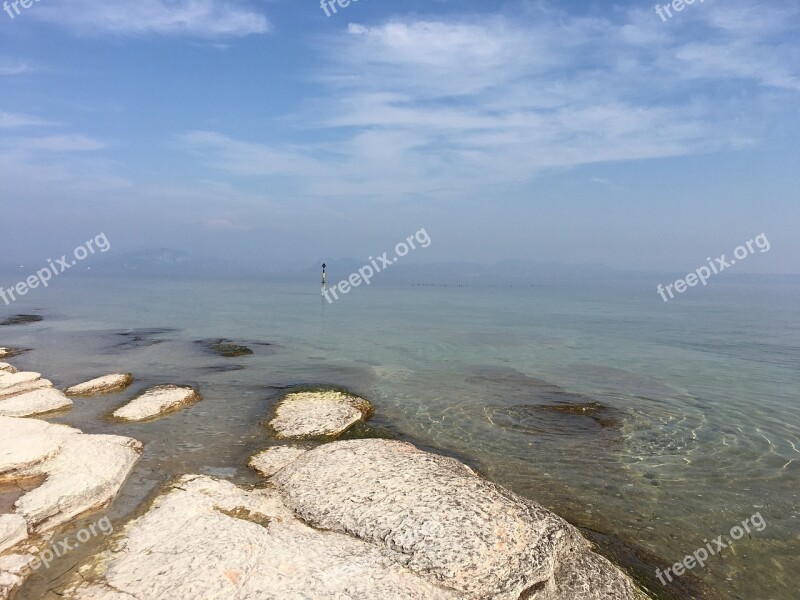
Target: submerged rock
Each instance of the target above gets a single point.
(157, 402)
(21, 320)
(225, 348)
(220, 541)
(555, 419)
(314, 414)
(10, 352)
(101, 385)
(36, 402)
(272, 460)
(144, 337)
(440, 520)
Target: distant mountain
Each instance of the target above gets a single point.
(165, 261)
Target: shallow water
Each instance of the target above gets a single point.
(698, 426)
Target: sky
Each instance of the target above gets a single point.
(266, 132)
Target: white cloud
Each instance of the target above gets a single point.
(200, 18)
(12, 120)
(60, 143)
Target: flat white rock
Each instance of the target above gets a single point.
(157, 401)
(12, 384)
(207, 538)
(440, 520)
(13, 530)
(313, 414)
(101, 385)
(4, 366)
(81, 472)
(272, 460)
(37, 402)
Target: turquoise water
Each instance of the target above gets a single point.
(697, 422)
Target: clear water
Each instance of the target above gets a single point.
(700, 427)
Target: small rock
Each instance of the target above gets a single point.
(7, 368)
(158, 401)
(101, 385)
(272, 460)
(36, 402)
(314, 414)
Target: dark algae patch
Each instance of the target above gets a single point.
(21, 320)
(225, 348)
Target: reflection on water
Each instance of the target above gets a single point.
(662, 426)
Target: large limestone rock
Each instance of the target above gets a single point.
(440, 520)
(101, 385)
(207, 538)
(272, 460)
(37, 402)
(82, 472)
(156, 402)
(314, 414)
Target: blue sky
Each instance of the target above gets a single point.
(265, 131)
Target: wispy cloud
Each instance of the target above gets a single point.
(60, 143)
(13, 120)
(199, 18)
(10, 67)
(436, 106)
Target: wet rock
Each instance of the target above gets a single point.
(21, 320)
(314, 414)
(224, 348)
(36, 402)
(157, 402)
(272, 460)
(101, 385)
(10, 352)
(227, 543)
(440, 520)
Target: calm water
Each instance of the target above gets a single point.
(697, 425)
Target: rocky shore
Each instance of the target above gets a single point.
(332, 519)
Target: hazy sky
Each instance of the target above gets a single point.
(266, 131)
